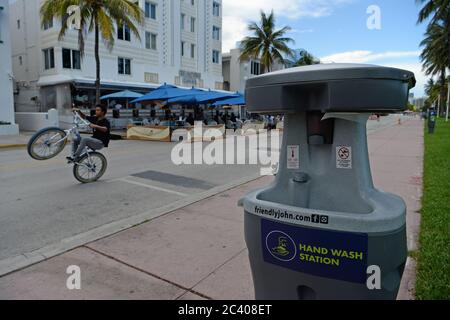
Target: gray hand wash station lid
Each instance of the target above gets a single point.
(330, 88)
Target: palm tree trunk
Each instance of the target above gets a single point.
(97, 62)
(448, 103)
(448, 66)
(443, 92)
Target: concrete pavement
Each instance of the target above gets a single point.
(15, 141)
(198, 251)
(21, 140)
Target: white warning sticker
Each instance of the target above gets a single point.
(344, 157)
(293, 157)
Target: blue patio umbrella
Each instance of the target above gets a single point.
(238, 101)
(192, 98)
(213, 96)
(163, 92)
(126, 94)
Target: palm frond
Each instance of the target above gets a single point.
(266, 43)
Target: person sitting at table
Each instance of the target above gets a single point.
(220, 119)
(233, 117)
(230, 125)
(190, 119)
(167, 114)
(224, 117)
(239, 124)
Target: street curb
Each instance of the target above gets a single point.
(16, 263)
(12, 146)
(407, 288)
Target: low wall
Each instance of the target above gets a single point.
(33, 121)
(9, 129)
(252, 128)
(148, 133)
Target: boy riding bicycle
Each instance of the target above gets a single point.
(100, 138)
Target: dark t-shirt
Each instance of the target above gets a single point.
(102, 136)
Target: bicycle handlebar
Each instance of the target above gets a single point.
(78, 119)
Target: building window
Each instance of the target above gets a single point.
(18, 24)
(20, 60)
(192, 24)
(183, 16)
(71, 59)
(48, 24)
(150, 10)
(67, 63)
(192, 51)
(216, 33)
(218, 85)
(49, 58)
(151, 77)
(124, 66)
(215, 56)
(216, 9)
(182, 48)
(123, 33)
(150, 40)
(76, 59)
(192, 2)
(255, 68)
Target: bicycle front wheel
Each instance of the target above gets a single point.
(90, 168)
(47, 143)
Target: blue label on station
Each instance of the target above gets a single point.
(323, 253)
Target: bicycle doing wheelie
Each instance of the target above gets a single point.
(49, 142)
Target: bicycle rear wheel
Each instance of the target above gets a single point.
(90, 168)
(47, 143)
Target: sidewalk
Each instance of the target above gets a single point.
(199, 252)
(21, 140)
(16, 141)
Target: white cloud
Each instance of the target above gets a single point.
(238, 13)
(361, 56)
(302, 31)
(407, 60)
(421, 78)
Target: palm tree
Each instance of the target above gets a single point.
(432, 90)
(99, 16)
(436, 9)
(434, 57)
(267, 44)
(305, 58)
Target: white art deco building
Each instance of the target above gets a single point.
(180, 44)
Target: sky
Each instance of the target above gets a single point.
(338, 31)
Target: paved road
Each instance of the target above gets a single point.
(199, 251)
(41, 204)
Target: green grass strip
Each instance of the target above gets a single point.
(433, 271)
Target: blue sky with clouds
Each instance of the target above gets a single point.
(336, 30)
